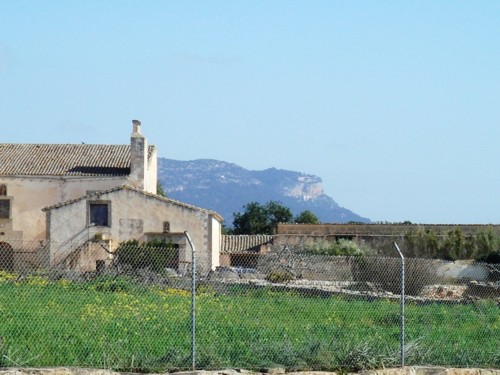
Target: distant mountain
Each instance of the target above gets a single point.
(226, 188)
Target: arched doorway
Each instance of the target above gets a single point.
(6, 257)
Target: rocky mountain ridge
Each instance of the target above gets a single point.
(226, 187)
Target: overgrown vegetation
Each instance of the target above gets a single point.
(118, 323)
(159, 190)
(279, 276)
(340, 247)
(454, 245)
(155, 255)
(483, 246)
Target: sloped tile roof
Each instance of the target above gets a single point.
(244, 243)
(65, 159)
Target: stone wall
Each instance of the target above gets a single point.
(308, 266)
(379, 237)
(366, 230)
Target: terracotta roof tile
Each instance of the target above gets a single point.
(244, 243)
(65, 159)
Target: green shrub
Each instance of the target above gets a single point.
(110, 283)
(279, 276)
(421, 243)
(154, 255)
(341, 247)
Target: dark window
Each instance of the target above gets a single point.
(3, 190)
(166, 227)
(99, 214)
(4, 208)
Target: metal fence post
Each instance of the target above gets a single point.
(193, 301)
(402, 328)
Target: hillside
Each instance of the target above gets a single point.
(226, 188)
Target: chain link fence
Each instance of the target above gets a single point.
(131, 309)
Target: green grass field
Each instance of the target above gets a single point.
(121, 325)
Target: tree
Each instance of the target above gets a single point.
(261, 219)
(277, 213)
(226, 230)
(252, 221)
(454, 246)
(159, 190)
(306, 217)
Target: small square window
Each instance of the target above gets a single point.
(98, 214)
(4, 208)
(166, 227)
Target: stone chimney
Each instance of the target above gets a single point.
(136, 127)
(138, 156)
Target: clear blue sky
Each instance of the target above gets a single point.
(395, 104)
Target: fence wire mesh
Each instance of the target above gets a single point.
(130, 309)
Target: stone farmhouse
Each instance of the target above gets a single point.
(78, 202)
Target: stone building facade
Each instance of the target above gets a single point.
(66, 193)
(130, 213)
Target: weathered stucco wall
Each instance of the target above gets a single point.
(132, 215)
(31, 194)
(151, 177)
(215, 241)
